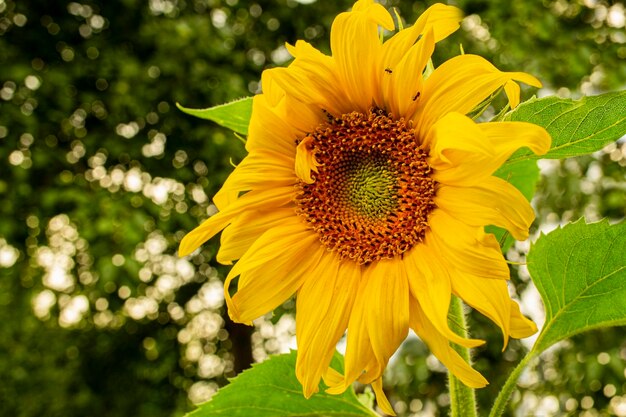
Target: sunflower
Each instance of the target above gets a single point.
(365, 192)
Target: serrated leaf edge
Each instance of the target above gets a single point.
(537, 349)
(357, 405)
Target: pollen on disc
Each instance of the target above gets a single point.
(373, 191)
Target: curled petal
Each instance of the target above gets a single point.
(465, 247)
(440, 347)
(442, 19)
(381, 398)
(493, 201)
(512, 90)
(305, 160)
(460, 151)
(507, 137)
(333, 378)
(465, 153)
(430, 285)
(460, 84)
(520, 326)
(489, 296)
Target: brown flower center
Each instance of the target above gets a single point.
(373, 192)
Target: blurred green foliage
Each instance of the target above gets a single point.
(101, 177)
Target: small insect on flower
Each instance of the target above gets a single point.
(365, 192)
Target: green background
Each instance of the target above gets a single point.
(101, 176)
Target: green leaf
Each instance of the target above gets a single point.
(234, 115)
(577, 127)
(524, 176)
(270, 389)
(580, 272)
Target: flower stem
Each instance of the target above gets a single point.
(505, 393)
(462, 397)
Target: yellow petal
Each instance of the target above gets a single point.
(439, 20)
(456, 133)
(440, 347)
(305, 160)
(512, 90)
(489, 296)
(359, 355)
(253, 200)
(237, 238)
(368, 348)
(381, 398)
(266, 247)
(273, 92)
(464, 153)
(461, 153)
(387, 299)
(430, 285)
(310, 79)
(289, 248)
(304, 117)
(442, 20)
(402, 86)
(507, 137)
(298, 84)
(459, 85)
(323, 309)
(259, 170)
(362, 5)
(355, 44)
(268, 131)
(332, 377)
(466, 248)
(521, 327)
(493, 201)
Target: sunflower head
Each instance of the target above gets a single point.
(371, 192)
(366, 191)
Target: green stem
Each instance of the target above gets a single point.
(462, 397)
(511, 383)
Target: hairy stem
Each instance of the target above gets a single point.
(502, 399)
(462, 397)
